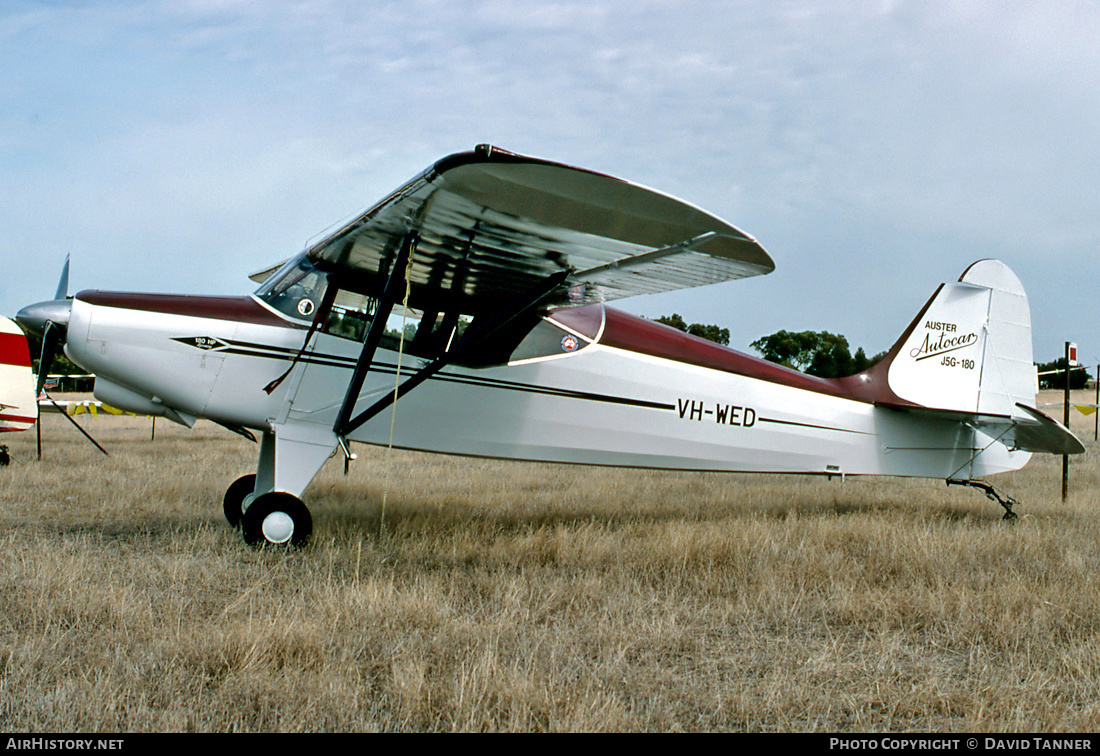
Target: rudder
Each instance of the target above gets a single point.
(969, 350)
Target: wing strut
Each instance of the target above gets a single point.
(477, 333)
(374, 334)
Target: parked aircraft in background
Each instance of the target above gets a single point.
(474, 297)
(18, 405)
(18, 408)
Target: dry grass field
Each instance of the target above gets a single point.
(499, 596)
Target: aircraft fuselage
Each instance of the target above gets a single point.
(615, 390)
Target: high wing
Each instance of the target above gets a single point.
(489, 225)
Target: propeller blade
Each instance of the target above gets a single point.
(51, 337)
(63, 282)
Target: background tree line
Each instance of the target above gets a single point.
(709, 332)
(820, 353)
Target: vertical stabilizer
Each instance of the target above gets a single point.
(970, 349)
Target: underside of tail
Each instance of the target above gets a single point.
(968, 356)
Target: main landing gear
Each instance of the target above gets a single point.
(1005, 501)
(274, 519)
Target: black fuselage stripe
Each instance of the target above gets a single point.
(389, 369)
(810, 425)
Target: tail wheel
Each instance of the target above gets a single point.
(277, 519)
(233, 504)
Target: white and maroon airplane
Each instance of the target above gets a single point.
(474, 296)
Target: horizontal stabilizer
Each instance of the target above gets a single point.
(1027, 429)
(1045, 434)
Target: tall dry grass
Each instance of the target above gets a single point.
(499, 596)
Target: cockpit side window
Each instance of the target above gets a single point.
(295, 289)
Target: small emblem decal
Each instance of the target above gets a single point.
(204, 343)
(569, 343)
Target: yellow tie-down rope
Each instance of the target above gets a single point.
(396, 387)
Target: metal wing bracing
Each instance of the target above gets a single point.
(491, 225)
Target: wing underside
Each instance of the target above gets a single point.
(489, 226)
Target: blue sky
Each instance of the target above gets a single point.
(874, 148)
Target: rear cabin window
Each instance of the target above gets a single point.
(548, 339)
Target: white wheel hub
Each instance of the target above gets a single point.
(278, 527)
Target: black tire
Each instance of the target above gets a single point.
(233, 503)
(277, 519)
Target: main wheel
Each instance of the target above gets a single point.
(233, 504)
(277, 519)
